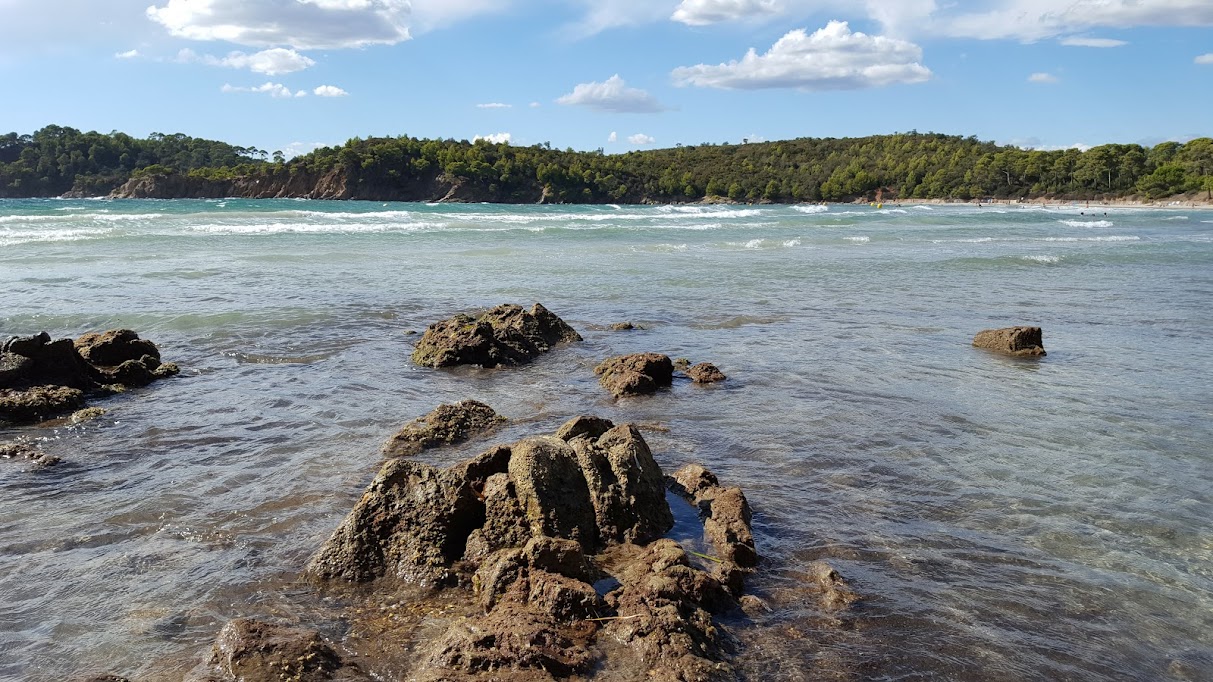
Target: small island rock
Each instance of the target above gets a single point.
(636, 374)
(505, 335)
(446, 425)
(1018, 341)
(705, 373)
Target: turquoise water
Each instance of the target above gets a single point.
(1006, 519)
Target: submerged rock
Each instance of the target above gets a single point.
(25, 450)
(504, 335)
(41, 378)
(636, 374)
(446, 425)
(705, 373)
(726, 521)
(255, 651)
(1020, 341)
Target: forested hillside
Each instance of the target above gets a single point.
(901, 166)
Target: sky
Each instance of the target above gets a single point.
(618, 75)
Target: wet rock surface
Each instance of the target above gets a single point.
(505, 335)
(1018, 341)
(26, 451)
(256, 651)
(726, 519)
(636, 374)
(446, 425)
(41, 378)
(704, 373)
(557, 544)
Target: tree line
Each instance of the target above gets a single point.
(900, 166)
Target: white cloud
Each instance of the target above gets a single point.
(1030, 20)
(272, 89)
(129, 54)
(495, 138)
(612, 95)
(535, 105)
(299, 148)
(1204, 59)
(703, 12)
(1041, 77)
(832, 58)
(641, 139)
(273, 62)
(301, 24)
(1075, 41)
(613, 137)
(494, 105)
(602, 15)
(329, 91)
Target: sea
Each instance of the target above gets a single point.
(1002, 518)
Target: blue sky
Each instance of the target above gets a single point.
(618, 74)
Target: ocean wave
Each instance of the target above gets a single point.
(859, 239)
(1176, 217)
(816, 208)
(791, 242)
(311, 228)
(1115, 238)
(1086, 223)
(11, 237)
(1041, 258)
(974, 240)
(31, 218)
(921, 207)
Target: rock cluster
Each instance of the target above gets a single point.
(41, 378)
(446, 425)
(1019, 341)
(504, 335)
(704, 373)
(558, 541)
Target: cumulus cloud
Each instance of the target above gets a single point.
(277, 90)
(1041, 77)
(641, 139)
(1075, 41)
(831, 58)
(1205, 59)
(495, 138)
(301, 24)
(703, 12)
(613, 137)
(612, 95)
(329, 91)
(272, 62)
(494, 105)
(129, 54)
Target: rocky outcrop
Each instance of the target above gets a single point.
(446, 425)
(726, 520)
(704, 373)
(41, 378)
(637, 374)
(22, 449)
(557, 542)
(505, 335)
(248, 650)
(1018, 341)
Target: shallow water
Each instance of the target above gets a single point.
(1004, 518)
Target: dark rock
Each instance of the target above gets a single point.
(446, 425)
(590, 427)
(622, 327)
(705, 373)
(726, 517)
(681, 364)
(107, 677)
(1019, 341)
(560, 556)
(505, 335)
(254, 651)
(625, 485)
(563, 598)
(552, 490)
(505, 523)
(511, 642)
(832, 588)
(638, 374)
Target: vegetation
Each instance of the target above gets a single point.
(901, 166)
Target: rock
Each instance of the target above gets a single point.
(625, 486)
(552, 490)
(25, 450)
(446, 425)
(622, 327)
(726, 520)
(87, 414)
(511, 642)
(41, 378)
(114, 347)
(681, 364)
(411, 525)
(255, 651)
(505, 335)
(833, 589)
(587, 426)
(638, 374)
(505, 523)
(1019, 341)
(105, 677)
(705, 373)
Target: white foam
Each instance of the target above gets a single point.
(1176, 217)
(974, 240)
(790, 243)
(816, 208)
(11, 237)
(30, 218)
(1087, 223)
(1043, 259)
(858, 240)
(924, 208)
(1115, 238)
